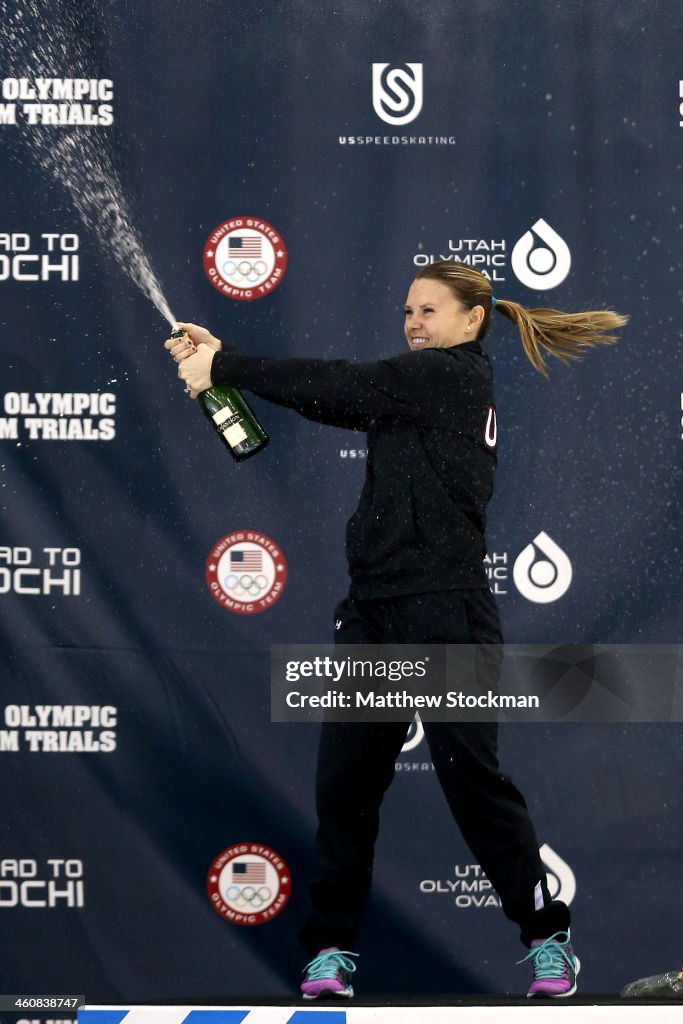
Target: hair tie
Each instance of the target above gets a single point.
(493, 300)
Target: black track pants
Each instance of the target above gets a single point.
(356, 767)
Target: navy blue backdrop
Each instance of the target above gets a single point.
(564, 114)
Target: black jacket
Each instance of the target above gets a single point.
(431, 428)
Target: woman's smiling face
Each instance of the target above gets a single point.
(434, 318)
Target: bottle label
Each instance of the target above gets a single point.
(230, 426)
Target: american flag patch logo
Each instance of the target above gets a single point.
(246, 559)
(252, 871)
(246, 246)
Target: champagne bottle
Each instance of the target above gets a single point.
(231, 417)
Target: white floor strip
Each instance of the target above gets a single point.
(535, 1013)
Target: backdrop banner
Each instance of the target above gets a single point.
(278, 172)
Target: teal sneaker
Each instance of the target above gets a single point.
(329, 974)
(556, 966)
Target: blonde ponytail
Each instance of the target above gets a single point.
(563, 335)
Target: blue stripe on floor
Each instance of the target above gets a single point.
(101, 1016)
(318, 1017)
(216, 1016)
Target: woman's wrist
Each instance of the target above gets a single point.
(213, 368)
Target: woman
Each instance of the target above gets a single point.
(415, 548)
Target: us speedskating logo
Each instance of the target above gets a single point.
(249, 884)
(245, 258)
(414, 736)
(397, 92)
(246, 572)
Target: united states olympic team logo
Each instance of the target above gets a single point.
(245, 258)
(249, 884)
(397, 92)
(246, 572)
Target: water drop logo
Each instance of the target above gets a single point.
(560, 877)
(397, 92)
(544, 579)
(541, 258)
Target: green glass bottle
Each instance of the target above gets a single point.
(231, 417)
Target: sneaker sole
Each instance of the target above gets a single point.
(329, 993)
(559, 995)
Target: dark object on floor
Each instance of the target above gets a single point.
(659, 986)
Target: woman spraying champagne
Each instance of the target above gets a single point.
(415, 548)
(230, 415)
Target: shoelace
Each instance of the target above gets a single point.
(327, 965)
(551, 959)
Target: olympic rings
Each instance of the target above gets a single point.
(245, 585)
(240, 896)
(245, 270)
